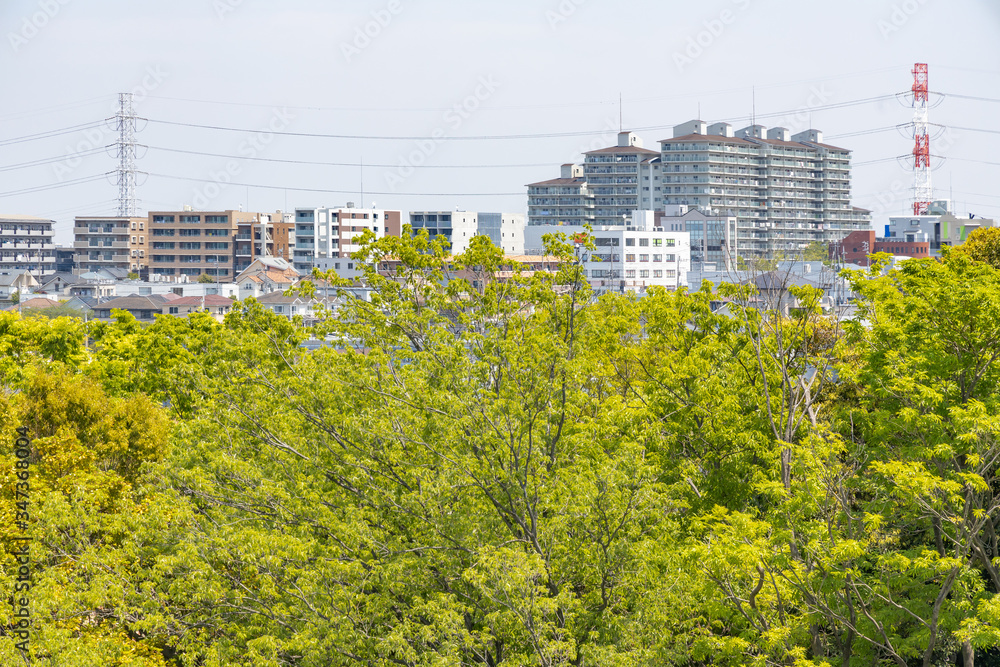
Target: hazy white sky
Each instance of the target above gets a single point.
(444, 69)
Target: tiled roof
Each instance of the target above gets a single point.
(133, 303)
(37, 303)
(210, 300)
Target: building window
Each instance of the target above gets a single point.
(657, 258)
(644, 273)
(657, 273)
(658, 242)
(630, 273)
(629, 258)
(643, 243)
(643, 258)
(629, 242)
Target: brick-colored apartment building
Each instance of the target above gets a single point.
(217, 244)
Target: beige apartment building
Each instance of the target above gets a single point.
(217, 244)
(110, 243)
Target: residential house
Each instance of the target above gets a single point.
(215, 305)
(143, 308)
(266, 275)
(20, 282)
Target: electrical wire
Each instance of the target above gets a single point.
(350, 164)
(55, 186)
(51, 133)
(339, 192)
(547, 135)
(53, 160)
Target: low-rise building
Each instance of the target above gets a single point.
(857, 246)
(27, 244)
(110, 243)
(629, 258)
(938, 227)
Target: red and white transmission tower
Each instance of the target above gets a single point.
(923, 190)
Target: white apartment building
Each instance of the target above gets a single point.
(457, 227)
(785, 191)
(325, 238)
(629, 258)
(27, 243)
(610, 184)
(506, 230)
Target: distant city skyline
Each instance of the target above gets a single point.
(420, 79)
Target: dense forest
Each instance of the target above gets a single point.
(501, 469)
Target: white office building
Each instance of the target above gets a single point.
(629, 258)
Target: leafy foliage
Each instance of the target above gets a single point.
(491, 466)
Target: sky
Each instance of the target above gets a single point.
(276, 105)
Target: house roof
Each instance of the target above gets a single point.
(208, 301)
(65, 276)
(133, 302)
(10, 278)
(36, 303)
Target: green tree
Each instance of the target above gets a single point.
(205, 278)
(983, 245)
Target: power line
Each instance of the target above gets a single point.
(55, 186)
(52, 160)
(349, 164)
(546, 135)
(340, 192)
(50, 133)
(373, 137)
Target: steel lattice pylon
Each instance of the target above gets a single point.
(923, 189)
(126, 156)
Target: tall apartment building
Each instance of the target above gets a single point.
(610, 184)
(217, 244)
(325, 238)
(622, 178)
(785, 191)
(567, 200)
(27, 244)
(110, 243)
